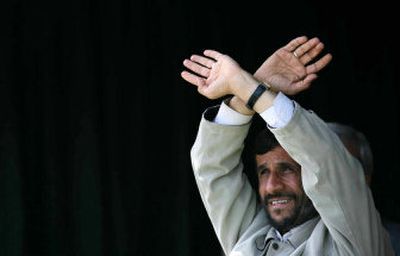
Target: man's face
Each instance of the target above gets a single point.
(281, 191)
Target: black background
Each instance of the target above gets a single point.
(96, 124)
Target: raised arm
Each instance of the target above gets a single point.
(290, 70)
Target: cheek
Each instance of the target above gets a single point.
(294, 182)
(262, 180)
(261, 185)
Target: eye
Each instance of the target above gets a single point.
(263, 171)
(288, 170)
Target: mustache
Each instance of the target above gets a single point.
(272, 196)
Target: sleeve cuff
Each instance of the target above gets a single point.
(280, 113)
(228, 116)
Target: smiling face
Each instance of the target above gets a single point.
(281, 191)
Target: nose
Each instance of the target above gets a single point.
(274, 183)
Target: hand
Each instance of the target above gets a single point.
(286, 71)
(214, 74)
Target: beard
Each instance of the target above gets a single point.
(302, 211)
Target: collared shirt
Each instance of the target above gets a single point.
(274, 243)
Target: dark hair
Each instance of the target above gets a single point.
(264, 141)
(258, 141)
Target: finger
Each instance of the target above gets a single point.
(197, 68)
(320, 64)
(292, 45)
(312, 53)
(213, 54)
(302, 49)
(303, 84)
(202, 60)
(309, 79)
(193, 79)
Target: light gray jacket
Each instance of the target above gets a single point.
(348, 224)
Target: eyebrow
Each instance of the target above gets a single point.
(281, 165)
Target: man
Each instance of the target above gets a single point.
(357, 144)
(311, 204)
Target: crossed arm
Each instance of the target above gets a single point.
(289, 70)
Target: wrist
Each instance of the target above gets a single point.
(259, 76)
(244, 85)
(257, 93)
(239, 106)
(264, 101)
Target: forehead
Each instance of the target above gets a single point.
(276, 155)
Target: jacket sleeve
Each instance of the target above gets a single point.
(227, 195)
(335, 183)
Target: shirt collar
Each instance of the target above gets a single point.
(296, 236)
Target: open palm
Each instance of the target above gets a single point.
(213, 73)
(289, 69)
